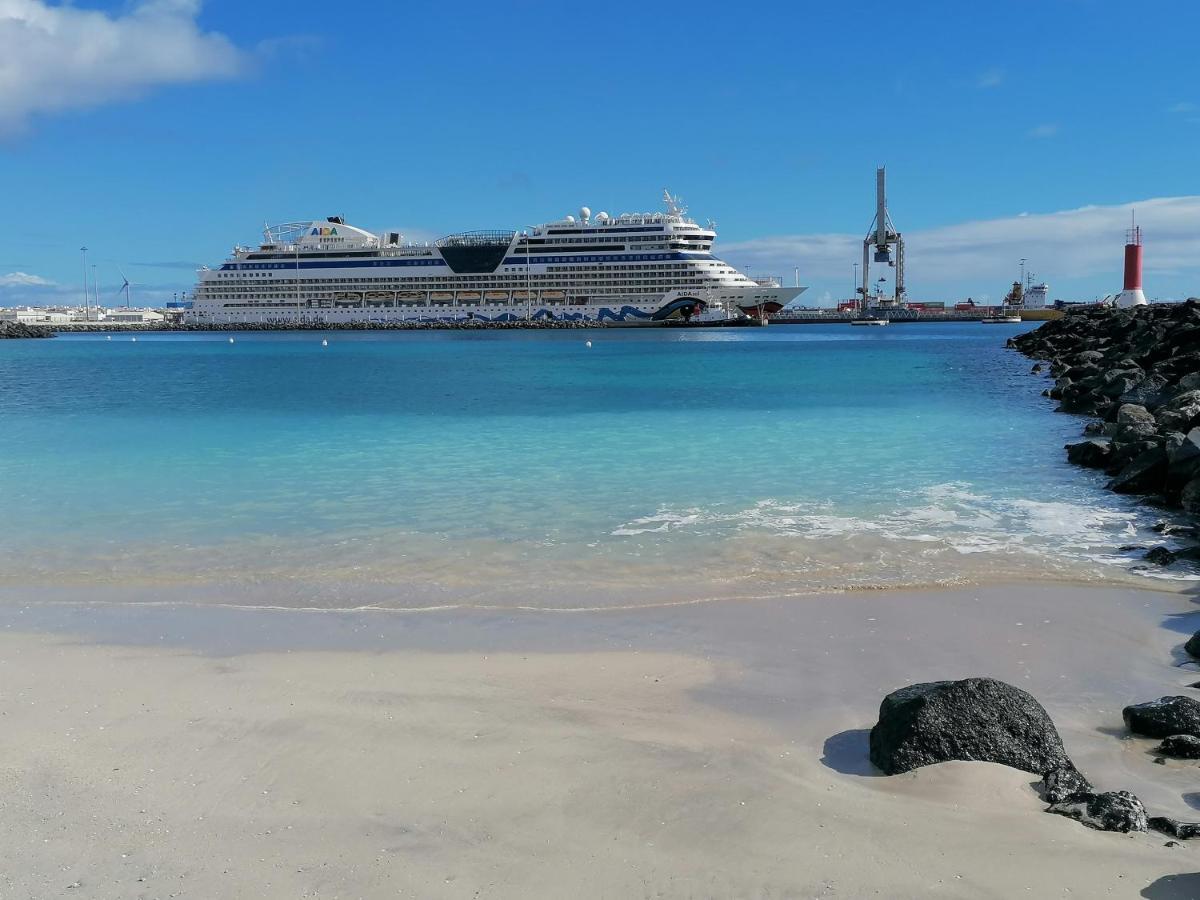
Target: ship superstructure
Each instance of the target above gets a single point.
(638, 268)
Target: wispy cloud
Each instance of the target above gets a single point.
(1183, 107)
(1045, 130)
(990, 79)
(170, 264)
(54, 58)
(23, 289)
(23, 279)
(1076, 243)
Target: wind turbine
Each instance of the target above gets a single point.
(124, 287)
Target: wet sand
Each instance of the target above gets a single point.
(711, 750)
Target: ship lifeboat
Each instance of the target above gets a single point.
(554, 295)
(380, 298)
(494, 296)
(347, 298)
(441, 296)
(410, 296)
(469, 296)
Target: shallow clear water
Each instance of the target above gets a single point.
(405, 468)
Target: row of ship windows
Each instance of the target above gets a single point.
(433, 284)
(629, 288)
(518, 274)
(605, 239)
(264, 270)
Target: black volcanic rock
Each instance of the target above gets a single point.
(1092, 453)
(974, 719)
(21, 330)
(1110, 811)
(1164, 717)
(1180, 746)
(1134, 414)
(1189, 497)
(1138, 370)
(1149, 394)
(1176, 829)
(1142, 474)
(1160, 556)
(1062, 782)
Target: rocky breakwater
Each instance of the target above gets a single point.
(22, 330)
(1137, 371)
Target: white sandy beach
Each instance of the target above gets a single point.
(703, 751)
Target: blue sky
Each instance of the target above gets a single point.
(160, 133)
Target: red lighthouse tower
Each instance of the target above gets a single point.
(1131, 294)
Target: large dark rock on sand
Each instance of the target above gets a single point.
(1193, 645)
(1180, 746)
(974, 719)
(1110, 811)
(1164, 717)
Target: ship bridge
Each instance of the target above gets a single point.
(475, 251)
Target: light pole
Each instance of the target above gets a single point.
(86, 302)
(296, 250)
(528, 274)
(96, 289)
(854, 287)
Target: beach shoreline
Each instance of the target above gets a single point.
(514, 753)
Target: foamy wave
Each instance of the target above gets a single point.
(949, 516)
(658, 523)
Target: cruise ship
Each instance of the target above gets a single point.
(635, 268)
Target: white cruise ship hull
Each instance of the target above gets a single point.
(624, 311)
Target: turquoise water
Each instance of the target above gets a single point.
(406, 468)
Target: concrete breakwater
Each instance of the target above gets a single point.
(1138, 372)
(9, 330)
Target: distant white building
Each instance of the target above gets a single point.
(132, 316)
(31, 315)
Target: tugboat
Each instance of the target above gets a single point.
(865, 316)
(1010, 311)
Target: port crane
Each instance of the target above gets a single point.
(877, 246)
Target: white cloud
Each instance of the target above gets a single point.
(1046, 130)
(23, 279)
(1072, 244)
(1182, 107)
(61, 57)
(991, 78)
